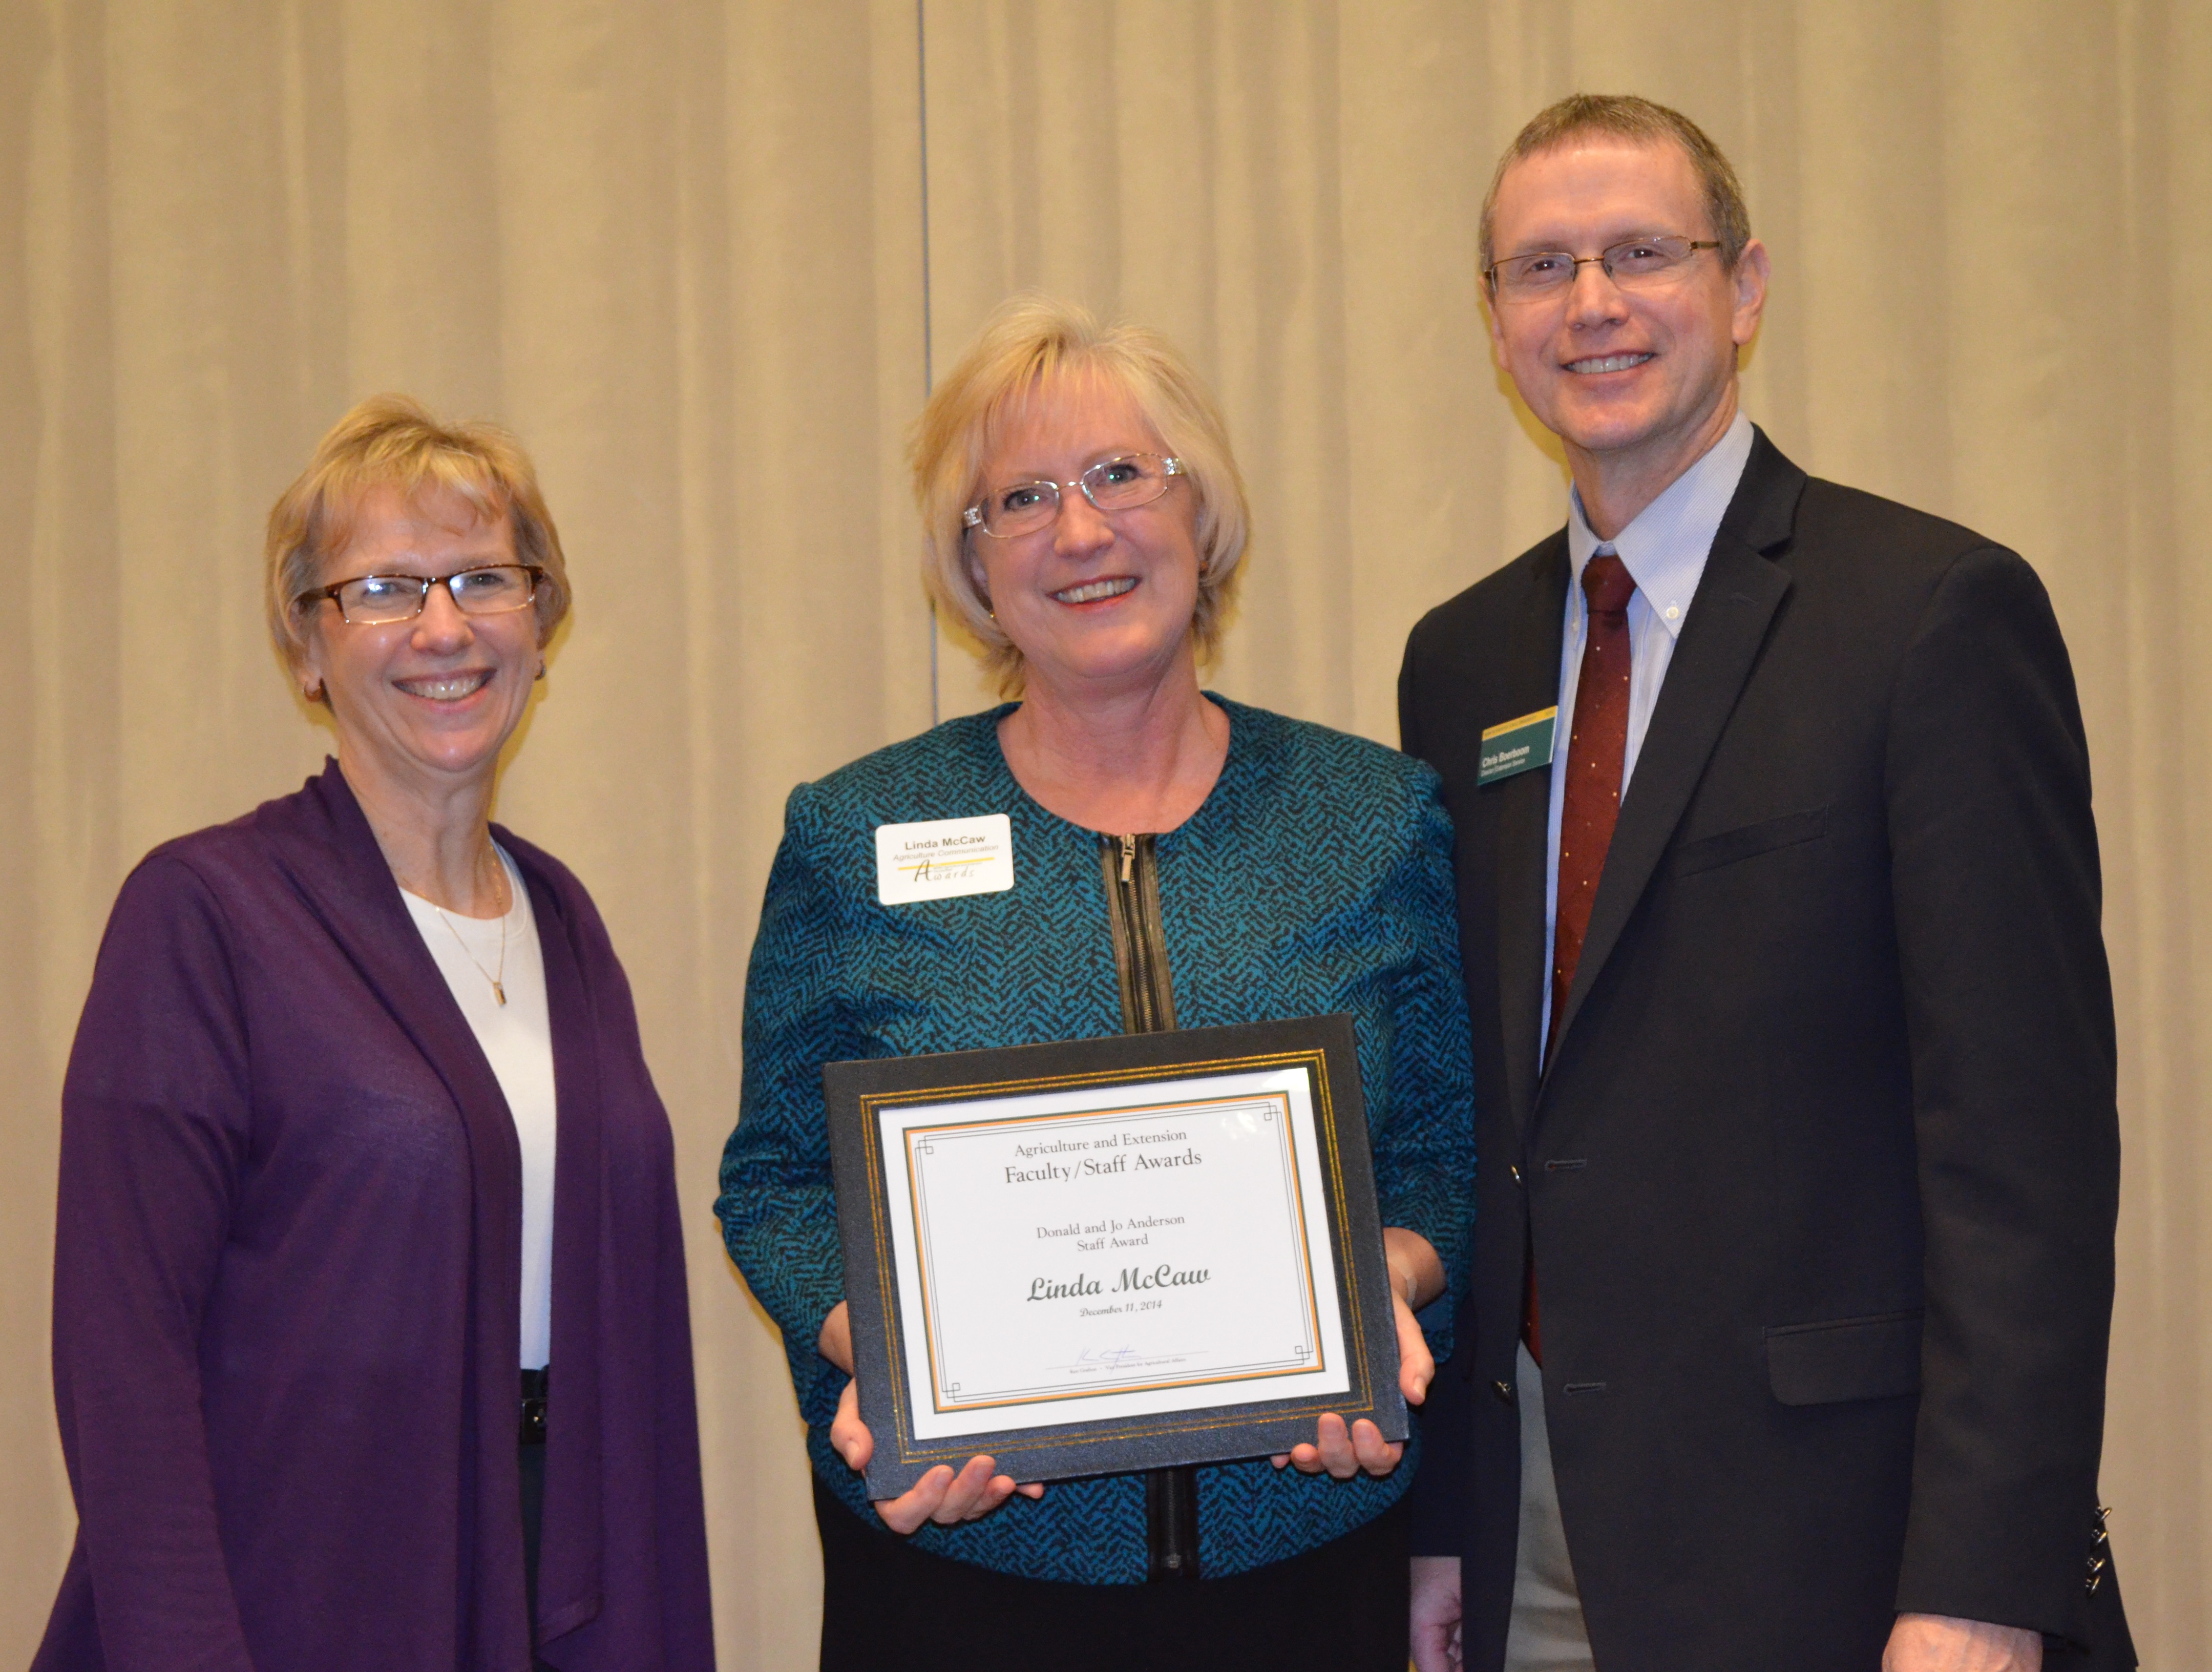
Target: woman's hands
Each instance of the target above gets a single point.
(940, 1495)
(1417, 1277)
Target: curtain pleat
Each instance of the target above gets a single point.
(682, 250)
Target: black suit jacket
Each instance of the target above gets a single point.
(1822, 1178)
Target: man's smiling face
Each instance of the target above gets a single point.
(1643, 378)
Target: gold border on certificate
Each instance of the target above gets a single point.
(1357, 1400)
(1315, 1356)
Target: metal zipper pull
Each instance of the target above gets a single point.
(1129, 855)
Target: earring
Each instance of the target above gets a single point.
(540, 674)
(313, 693)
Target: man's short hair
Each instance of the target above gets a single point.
(1627, 117)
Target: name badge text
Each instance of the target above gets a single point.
(1514, 746)
(942, 858)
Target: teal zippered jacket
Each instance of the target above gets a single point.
(1316, 879)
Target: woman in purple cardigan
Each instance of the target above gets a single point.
(356, 1127)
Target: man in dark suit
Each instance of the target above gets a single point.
(1779, 900)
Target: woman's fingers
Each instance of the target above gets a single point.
(1376, 1455)
(849, 1436)
(1334, 1440)
(1330, 1451)
(977, 1490)
(947, 1499)
(1417, 1367)
(918, 1503)
(1344, 1452)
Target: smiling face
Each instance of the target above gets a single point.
(1091, 600)
(426, 702)
(1642, 379)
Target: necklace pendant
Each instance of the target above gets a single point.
(499, 992)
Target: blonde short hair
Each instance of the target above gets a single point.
(1626, 116)
(391, 442)
(1030, 343)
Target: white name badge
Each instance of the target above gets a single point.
(942, 858)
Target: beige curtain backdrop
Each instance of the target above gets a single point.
(703, 257)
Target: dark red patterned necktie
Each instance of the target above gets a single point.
(1596, 748)
(1595, 751)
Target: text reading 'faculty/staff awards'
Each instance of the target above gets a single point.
(1105, 1253)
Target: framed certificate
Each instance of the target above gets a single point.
(1113, 1254)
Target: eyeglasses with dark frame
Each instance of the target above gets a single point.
(1119, 484)
(378, 600)
(1633, 263)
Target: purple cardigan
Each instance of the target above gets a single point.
(288, 1279)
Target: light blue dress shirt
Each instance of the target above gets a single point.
(1664, 552)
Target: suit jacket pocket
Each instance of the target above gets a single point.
(1877, 1357)
(1707, 853)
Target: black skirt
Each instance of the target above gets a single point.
(885, 1604)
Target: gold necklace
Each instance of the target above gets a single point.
(498, 981)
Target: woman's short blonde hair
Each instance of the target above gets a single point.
(1030, 343)
(391, 442)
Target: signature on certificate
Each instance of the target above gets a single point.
(1108, 1360)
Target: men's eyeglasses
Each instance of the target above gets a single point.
(372, 600)
(1119, 484)
(1634, 264)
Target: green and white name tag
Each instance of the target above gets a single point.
(1518, 746)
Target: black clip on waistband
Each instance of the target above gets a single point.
(533, 1406)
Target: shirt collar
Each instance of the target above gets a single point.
(1665, 549)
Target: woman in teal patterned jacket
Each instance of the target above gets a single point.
(1086, 522)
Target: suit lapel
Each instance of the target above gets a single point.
(1523, 816)
(1735, 603)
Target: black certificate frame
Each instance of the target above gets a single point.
(1325, 1047)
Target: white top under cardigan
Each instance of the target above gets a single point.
(517, 1038)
